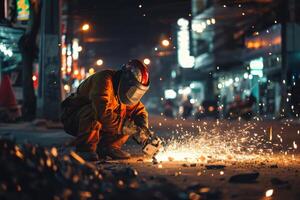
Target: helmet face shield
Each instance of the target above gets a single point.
(131, 91)
(134, 82)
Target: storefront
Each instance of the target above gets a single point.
(263, 58)
(10, 57)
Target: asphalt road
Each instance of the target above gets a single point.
(267, 147)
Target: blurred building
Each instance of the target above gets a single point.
(242, 48)
(29, 53)
(12, 27)
(161, 62)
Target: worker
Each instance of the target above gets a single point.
(103, 106)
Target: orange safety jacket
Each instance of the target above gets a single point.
(109, 111)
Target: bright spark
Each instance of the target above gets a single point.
(295, 145)
(269, 192)
(214, 144)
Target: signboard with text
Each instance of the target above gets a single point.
(23, 10)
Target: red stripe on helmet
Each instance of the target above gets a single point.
(145, 76)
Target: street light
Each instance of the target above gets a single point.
(91, 71)
(99, 62)
(85, 27)
(147, 61)
(165, 42)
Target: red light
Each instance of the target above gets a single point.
(211, 108)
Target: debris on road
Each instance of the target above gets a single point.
(199, 191)
(35, 172)
(154, 161)
(244, 178)
(212, 167)
(280, 183)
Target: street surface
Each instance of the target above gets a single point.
(204, 156)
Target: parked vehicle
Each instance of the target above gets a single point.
(208, 109)
(243, 109)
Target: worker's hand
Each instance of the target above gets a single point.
(143, 135)
(129, 127)
(140, 134)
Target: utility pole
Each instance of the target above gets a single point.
(284, 61)
(0, 69)
(49, 92)
(290, 46)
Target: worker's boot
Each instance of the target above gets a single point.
(114, 153)
(110, 146)
(88, 156)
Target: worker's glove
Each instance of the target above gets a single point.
(140, 133)
(129, 127)
(143, 135)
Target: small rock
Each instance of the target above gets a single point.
(194, 196)
(170, 159)
(262, 163)
(154, 161)
(193, 165)
(126, 173)
(185, 165)
(244, 178)
(205, 192)
(202, 158)
(280, 183)
(215, 166)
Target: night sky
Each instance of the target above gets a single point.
(119, 25)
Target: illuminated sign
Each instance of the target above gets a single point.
(23, 10)
(185, 60)
(75, 47)
(257, 66)
(170, 94)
